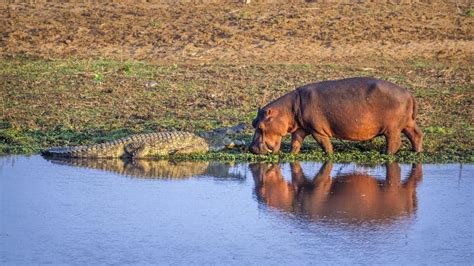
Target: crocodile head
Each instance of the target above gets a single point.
(221, 138)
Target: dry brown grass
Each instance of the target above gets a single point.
(237, 33)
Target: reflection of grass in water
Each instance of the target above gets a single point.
(203, 97)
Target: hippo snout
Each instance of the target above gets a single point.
(259, 148)
(254, 149)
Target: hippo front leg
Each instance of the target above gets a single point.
(297, 138)
(324, 142)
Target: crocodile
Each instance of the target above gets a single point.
(151, 145)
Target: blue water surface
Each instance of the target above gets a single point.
(145, 212)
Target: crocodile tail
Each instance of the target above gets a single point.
(70, 152)
(89, 151)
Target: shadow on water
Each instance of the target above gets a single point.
(353, 197)
(153, 169)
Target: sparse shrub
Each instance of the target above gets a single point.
(155, 23)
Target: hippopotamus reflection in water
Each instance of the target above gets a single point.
(356, 109)
(354, 197)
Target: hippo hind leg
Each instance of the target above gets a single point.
(415, 136)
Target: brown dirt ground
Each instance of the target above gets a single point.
(237, 33)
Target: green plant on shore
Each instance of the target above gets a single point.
(98, 77)
(435, 130)
(469, 12)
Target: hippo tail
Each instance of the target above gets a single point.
(414, 114)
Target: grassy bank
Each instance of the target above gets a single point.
(70, 102)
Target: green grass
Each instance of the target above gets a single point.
(470, 12)
(368, 157)
(73, 102)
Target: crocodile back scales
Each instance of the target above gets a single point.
(136, 146)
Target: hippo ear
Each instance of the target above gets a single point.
(268, 112)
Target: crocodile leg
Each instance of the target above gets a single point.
(136, 149)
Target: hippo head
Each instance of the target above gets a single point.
(270, 126)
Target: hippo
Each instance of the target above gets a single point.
(356, 109)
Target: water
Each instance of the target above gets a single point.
(148, 212)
